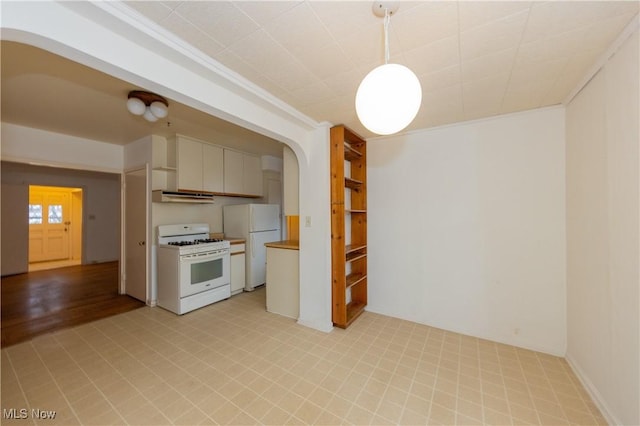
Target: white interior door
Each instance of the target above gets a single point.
(135, 262)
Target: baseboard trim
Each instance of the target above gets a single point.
(592, 391)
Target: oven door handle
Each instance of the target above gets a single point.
(203, 256)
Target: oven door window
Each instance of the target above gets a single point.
(206, 271)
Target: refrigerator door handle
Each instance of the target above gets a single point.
(252, 222)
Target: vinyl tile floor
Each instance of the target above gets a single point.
(234, 363)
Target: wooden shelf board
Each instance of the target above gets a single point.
(354, 278)
(355, 211)
(355, 257)
(165, 169)
(352, 183)
(354, 247)
(351, 154)
(354, 309)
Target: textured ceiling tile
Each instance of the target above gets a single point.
(188, 32)
(494, 37)
(476, 13)
(445, 98)
(171, 4)
(263, 12)
(484, 96)
(432, 57)
(602, 34)
(525, 95)
(238, 65)
(424, 24)
(487, 65)
(274, 62)
(346, 83)
(537, 71)
(291, 76)
(260, 50)
(299, 30)
(551, 18)
(326, 61)
(554, 47)
(440, 79)
(366, 46)
(312, 94)
(337, 110)
(346, 17)
(156, 11)
(220, 20)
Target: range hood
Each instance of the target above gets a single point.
(160, 196)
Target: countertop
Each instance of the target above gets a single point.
(235, 240)
(285, 244)
(232, 240)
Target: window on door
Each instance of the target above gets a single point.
(55, 213)
(35, 214)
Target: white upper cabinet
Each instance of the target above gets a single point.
(186, 164)
(213, 168)
(200, 166)
(233, 170)
(242, 174)
(252, 174)
(189, 164)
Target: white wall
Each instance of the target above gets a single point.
(30, 145)
(466, 228)
(603, 279)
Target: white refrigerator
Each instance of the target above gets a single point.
(258, 224)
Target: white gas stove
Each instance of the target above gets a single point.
(193, 269)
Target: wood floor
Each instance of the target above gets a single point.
(44, 301)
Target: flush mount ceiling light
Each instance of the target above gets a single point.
(389, 97)
(149, 105)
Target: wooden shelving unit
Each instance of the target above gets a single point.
(348, 225)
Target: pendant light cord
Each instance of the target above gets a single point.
(387, 19)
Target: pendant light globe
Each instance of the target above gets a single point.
(388, 99)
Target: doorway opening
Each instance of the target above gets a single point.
(55, 227)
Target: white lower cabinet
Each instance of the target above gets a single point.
(283, 285)
(237, 267)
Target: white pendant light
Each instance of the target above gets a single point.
(389, 97)
(149, 105)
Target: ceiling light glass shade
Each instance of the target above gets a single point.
(388, 99)
(159, 109)
(136, 106)
(148, 115)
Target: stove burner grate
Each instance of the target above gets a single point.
(194, 242)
